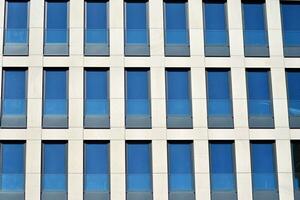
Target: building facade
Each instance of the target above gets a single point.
(137, 99)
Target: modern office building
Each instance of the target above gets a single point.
(150, 100)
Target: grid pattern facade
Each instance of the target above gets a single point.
(159, 135)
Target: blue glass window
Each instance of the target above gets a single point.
(215, 23)
(14, 92)
(55, 93)
(96, 21)
(219, 93)
(136, 22)
(139, 169)
(56, 24)
(259, 93)
(263, 166)
(176, 22)
(293, 92)
(254, 19)
(290, 13)
(296, 164)
(13, 167)
(222, 166)
(181, 168)
(137, 92)
(178, 92)
(16, 27)
(54, 167)
(96, 167)
(96, 92)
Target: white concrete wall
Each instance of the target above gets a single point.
(159, 135)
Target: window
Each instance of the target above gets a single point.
(222, 169)
(54, 170)
(96, 170)
(255, 30)
(12, 170)
(216, 42)
(55, 98)
(16, 28)
(96, 103)
(296, 167)
(14, 98)
(56, 28)
(138, 170)
(181, 170)
(264, 178)
(179, 108)
(260, 106)
(219, 100)
(290, 13)
(176, 28)
(138, 109)
(136, 28)
(293, 88)
(96, 28)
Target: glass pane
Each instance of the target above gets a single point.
(296, 164)
(218, 89)
(254, 23)
(13, 167)
(17, 17)
(222, 166)
(178, 92)
(293, 91)
(180, 167)
(176, 22)
(55, 93)
(263, 166)
(96, 14)
(137, 91)
(290, 12)
(14, 92)
(96, 167)
(259, 94)
(139, 167)
(54, 167)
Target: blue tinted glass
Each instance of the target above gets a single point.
(263, 166)
(13, 167)
(178, 91)
(215, 23)
(296, 164)
(15, 84)
(222, 169)
(96, 84)
(180, 167)
(293, 91)
(139, 167)
(176, 22)
(14, 92)
(215, 15)
(137, 91)
(136, 22)
(96, 167)
(54, 166)
(218, 90)
(290, 13)
(96, 14)
(254, 23)
(259, 94)
(175, 13)
(55, 84)
(57, 12)
(17, 17)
